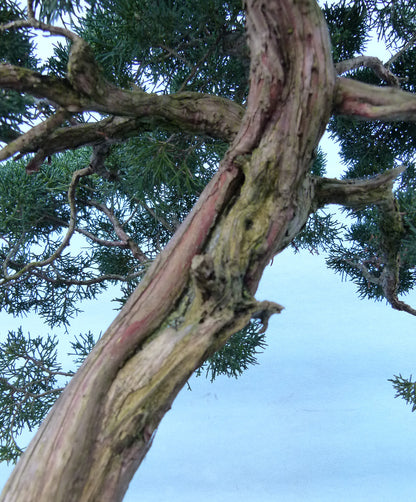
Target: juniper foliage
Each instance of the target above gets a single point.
(127, 211)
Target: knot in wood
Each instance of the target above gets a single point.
(203, 274)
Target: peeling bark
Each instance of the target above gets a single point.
(369, 102)
(200, 290)
(134, 112)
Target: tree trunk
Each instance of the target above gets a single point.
(200, 289)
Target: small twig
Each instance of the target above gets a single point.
(160, 219)
(119, 231)
(364, 272)
(89, 282)
(12, 253)
(199, 63)
(172, 52)
(132, 215)
(23, 390)
(90, 235)
(30, 9)
(32, 22)
(407, 46)
(77, 175)
(43, 368)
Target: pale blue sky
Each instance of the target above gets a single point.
(316, 420)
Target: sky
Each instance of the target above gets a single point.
(315, 420)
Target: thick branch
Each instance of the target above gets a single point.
(369, 102)
(373, 63)
(35, 137)
(57, 90)
(137, 112)
(356, 193)
(121, 128)
(86, 89)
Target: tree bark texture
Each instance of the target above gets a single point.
(200, 289)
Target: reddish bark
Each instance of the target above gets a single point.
(199, 291)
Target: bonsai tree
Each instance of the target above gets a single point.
(180, 141)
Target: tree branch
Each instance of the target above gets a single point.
(32, 22)
(392, 233)
(407, 46)
(77, 175)
(57, 90)
(136, 112)
(355, 192)
(90, 235)
(373, 63)
(369, 102)
(119, 230)
(377, 191)
(86, 89)
(35, 137)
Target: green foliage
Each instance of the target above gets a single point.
(348, 26)
(16, 47)
(319, 163)
(321, 230)
(34, 213)
(170, 45)
(82, 346)
(405, 389)
(28, 386)
(53, 10)
(31, 380)
(57, 64)
(361, 248)
(147, 187)
(128, 210)
(238, 353)
(319, 234)
(393, 21)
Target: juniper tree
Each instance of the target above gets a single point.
(180, 142)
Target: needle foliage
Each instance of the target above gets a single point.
(144, 187)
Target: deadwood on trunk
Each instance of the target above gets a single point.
(200, 289)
